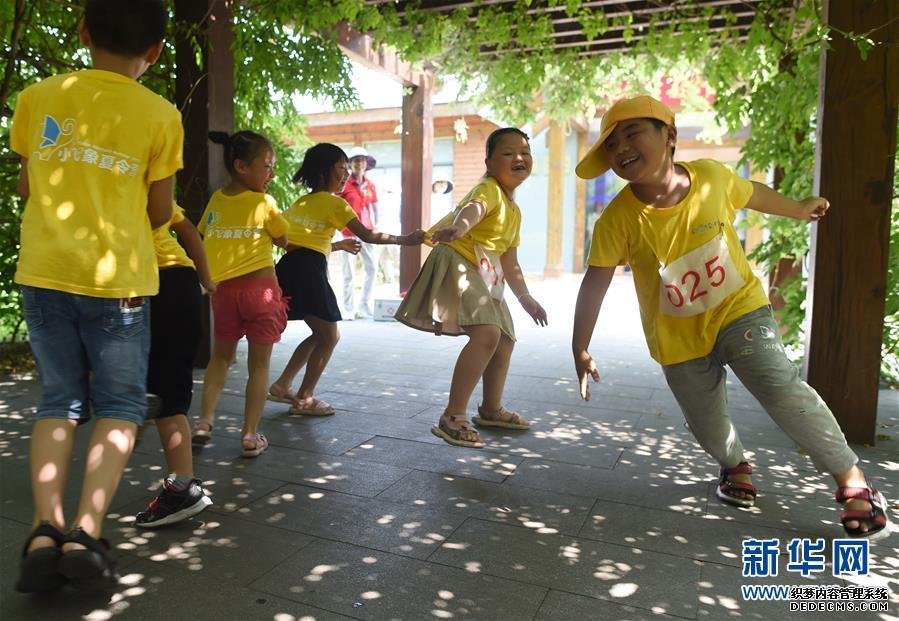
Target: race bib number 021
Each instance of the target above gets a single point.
(699, 280)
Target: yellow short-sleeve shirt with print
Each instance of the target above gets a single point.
(169, 253)
(237, 233)
(690, 272)
(315, 218)
(94, 141)
(500, 228)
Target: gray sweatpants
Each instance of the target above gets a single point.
(751, 346)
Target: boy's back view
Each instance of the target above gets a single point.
(99, 152)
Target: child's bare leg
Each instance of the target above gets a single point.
(214, 380)
(470, 366)
(258, 358)
(299, 358)
(495, 374)
(108, 452)
(494, 383)
(50, 454)
(326, 337)
(174, 435)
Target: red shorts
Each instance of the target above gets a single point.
(252, 307)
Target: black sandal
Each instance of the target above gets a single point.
(876, 517)
(37, 571)
(92, 568)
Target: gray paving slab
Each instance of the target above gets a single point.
(700, 537)
(343, 473)
(561, 605)
(510, 504)
(605, 509)
(652, 488)
(474, 463)
(376, 523)
(615, 573)
(369, 584)
(231, 551)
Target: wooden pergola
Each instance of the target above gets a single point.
(856, 142)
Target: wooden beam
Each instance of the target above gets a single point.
(361, 48)
(205, 96)
(580, 207)
(856, 145)
(555, 201)
(416, 152)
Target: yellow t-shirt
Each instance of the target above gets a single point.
(169, 253)
(498, 231)
(95, 140)
(315, 218)
(690, 272)
(237, 233)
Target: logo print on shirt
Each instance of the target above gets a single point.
(51, 132)
(748, 335)
(766, 332)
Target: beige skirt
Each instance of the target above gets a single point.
(450, 294)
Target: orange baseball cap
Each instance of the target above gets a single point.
(642, 107)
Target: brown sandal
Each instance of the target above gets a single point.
(501, 418)
(198, 435)
(454, 435)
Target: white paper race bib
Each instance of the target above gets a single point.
(491, 270)
(699, 280)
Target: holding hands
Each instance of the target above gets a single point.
(414, 238)
(448, 233)
(350, 244)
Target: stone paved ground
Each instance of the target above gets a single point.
(605, 510)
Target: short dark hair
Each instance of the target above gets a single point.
(317, 164)
(244, 146)
(493, 138)
(125, 27)
(661, 125)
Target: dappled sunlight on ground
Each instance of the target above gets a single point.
(604, 509)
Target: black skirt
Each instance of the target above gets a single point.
(303, 277)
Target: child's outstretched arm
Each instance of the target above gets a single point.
(766, 200)
(589, 299)
(467, 217)
(350, 244)
(367, 235)
(193, 244)
(160, 199)
(515, 279)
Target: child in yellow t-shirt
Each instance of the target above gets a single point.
(303, 271)
(701, 305)
(98, 153)
(239, 226)
(176, 314)
(460, 289)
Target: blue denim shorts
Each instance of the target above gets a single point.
(91, 354)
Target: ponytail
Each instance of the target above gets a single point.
(243, 145)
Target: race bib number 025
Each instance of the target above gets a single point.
(699, 280)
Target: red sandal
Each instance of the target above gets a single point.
(726, 487)
(876, 517)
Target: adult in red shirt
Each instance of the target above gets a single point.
(360, 193)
